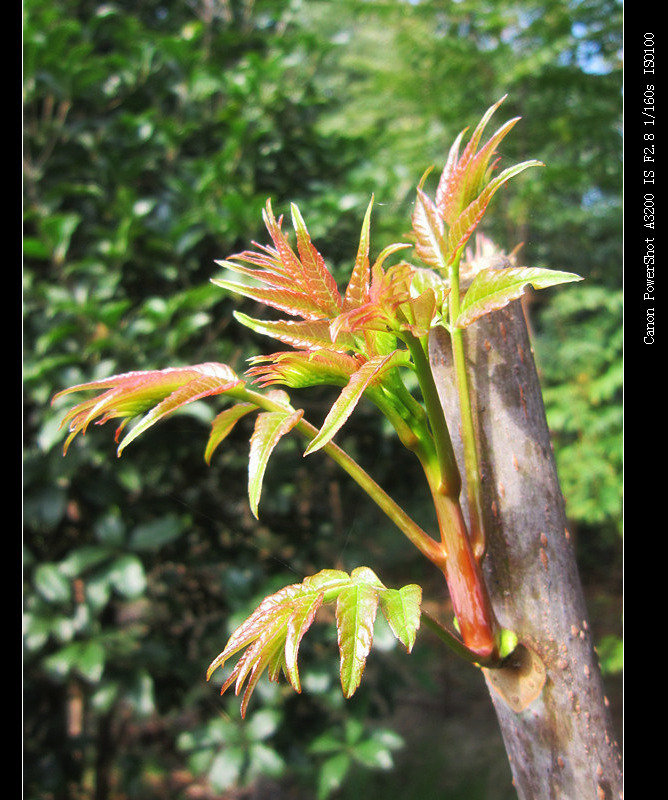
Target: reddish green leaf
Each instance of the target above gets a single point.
(387, 291)
(270, 272)
(267, 614)
(300, 369)
(479, 169)
(223, 425)
(386, 252)
(468, 220)
(319, 282)
(328, 581)
(289, 261)
(367, 576)
(357, 291)
(423, 279)
(401, 609)
(300, 285)
(429, 232)
(367, 317)
(445, 181)
(272, 634)
(197, 389)
(291, 301)
(355, 616)
(492, 289)
(308, 334)
(457, 188)
(417, 314)
(351, 395)
(132, 393)
(270, 427)
(300, 621)
(465, 188)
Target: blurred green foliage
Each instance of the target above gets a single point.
(153, 134)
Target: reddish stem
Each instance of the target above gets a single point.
(471, 603)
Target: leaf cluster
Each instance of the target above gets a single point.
(272, 634)
(359, 339)
(151, 142)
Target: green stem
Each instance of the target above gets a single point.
(508, 643)
(462, 569)
(471, 463)
(450, 479)
(429, 547)
(452, 641)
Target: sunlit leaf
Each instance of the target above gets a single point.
(289, 261)
(270, 427)
(290, 301)
(429, 232)
(300, 621)
(417, 314)
(357, 291)
(387, 291)
(302, 368)
(492, 289)
(271, 636)
(160, 392)
(298, 284)
(319, 281)
(466, 223)
(401, 609)
(350, 396)
(307, 334)
(356, 609)
(458, 185)
(445, 180)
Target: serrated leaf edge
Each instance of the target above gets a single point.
(273, 632)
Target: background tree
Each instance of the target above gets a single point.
(153, 134)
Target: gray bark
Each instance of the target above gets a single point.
(561, 744)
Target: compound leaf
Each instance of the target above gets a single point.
(272, 634)
(158, 392)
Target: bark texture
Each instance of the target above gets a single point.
(561, 745)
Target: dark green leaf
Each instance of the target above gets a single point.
(52, 584)
(127, 576)
(332, 774)
(156, 534)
